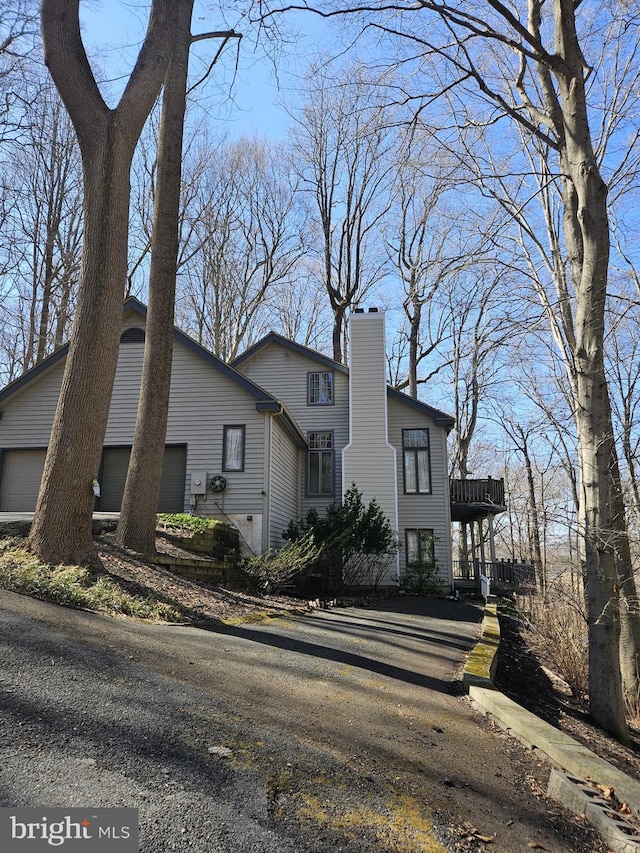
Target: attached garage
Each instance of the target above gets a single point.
(113, 474)
(21, 472)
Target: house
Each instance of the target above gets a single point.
(360, 430)
(260, 441)
(220, 425)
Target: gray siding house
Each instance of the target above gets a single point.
(360, 430)
(258, 442)
(223, 430)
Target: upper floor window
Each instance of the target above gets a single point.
(320, 388)
(233, 448)
(416, 456)
(320, 463)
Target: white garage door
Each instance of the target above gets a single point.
(21, 475)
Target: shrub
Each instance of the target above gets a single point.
(274, 569)
(355, 542)
(421, 577)
(557, 633)
(184, 521)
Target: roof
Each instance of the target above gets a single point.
(265, 402)
(441, 418)
(274, 337)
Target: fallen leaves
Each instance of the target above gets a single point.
(470, 832)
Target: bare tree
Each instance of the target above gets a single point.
(343, 143)
(246, 242)
(137, 524)
(48, 222)
(529, 66)
(18, 39)
(61, 530)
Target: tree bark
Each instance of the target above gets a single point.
(586, 230)
(62, 530)
(137, 525)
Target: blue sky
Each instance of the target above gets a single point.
(243, 101)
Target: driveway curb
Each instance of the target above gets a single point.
(561, 750)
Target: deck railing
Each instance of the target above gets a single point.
(477, 491)
(503, 573)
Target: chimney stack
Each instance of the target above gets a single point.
(369, 460)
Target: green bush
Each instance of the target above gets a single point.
(421, 578)
(355, 544)
(184, 521)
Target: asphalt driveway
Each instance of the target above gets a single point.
(343, 730)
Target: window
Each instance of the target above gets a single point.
(320, 389)
(233, 448)
(417, 461)
(320, 463)
(420, 547)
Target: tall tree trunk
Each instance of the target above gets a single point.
(534, 537)
(61, 530)
(629, 601)
(586, 229)
(137, 525)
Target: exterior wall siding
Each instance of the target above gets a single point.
(284, 373)
(28, 415)
(369, 460)
(202, 400)
(284, 483)
(430, 511)
(272, 489)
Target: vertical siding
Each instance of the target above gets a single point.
(424, 511)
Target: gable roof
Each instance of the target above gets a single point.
(274, 337)
(265, 402)
(441, 418)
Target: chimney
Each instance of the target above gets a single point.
(369, 460)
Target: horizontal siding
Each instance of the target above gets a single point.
(284, 483)
(424, 511)
(284, 373)
(28, 415)
(202, 400)
(124, 399)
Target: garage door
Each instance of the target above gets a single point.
(21, 475)
(115, 461)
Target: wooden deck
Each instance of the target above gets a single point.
(475, 499)
(506, 577)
